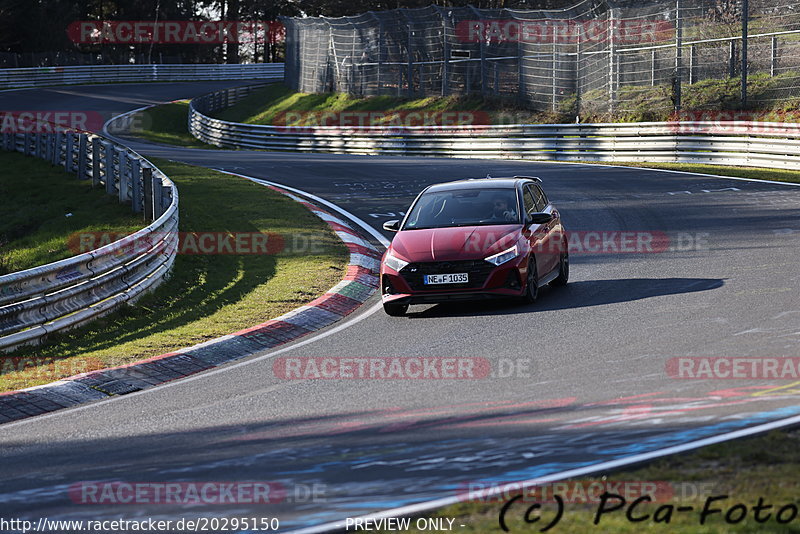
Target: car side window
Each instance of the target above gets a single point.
(540, 198)
(528, 200)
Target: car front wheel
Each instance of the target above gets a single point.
(563, 271)
(532, 282)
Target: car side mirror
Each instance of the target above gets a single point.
(539, 218)
(391, 226)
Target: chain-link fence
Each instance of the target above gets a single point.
(597, 58)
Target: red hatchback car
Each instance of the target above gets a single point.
(473, 239)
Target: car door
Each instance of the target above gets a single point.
(550, 240)
(536, 234)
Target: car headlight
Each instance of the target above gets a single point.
(502, 257)
(393, 262)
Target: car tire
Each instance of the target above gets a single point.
(563, 271)
(395, 309)
(532, 282)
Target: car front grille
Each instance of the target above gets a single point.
(478, 271)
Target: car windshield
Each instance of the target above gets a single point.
(464, 207)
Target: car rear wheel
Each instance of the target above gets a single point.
(395, 309)
(532, 283)
(563, 271)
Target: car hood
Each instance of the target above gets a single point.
(460, 243)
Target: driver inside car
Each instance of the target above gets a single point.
(501, 211)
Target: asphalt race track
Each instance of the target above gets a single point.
(578, 378)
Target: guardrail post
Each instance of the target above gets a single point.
(97, 177)
(147, 182)
(123, 175)
(49, 149)
(68, 149)
(82, 156)
(136, 185)
(28, 147)
(158, 195)
(108, 168)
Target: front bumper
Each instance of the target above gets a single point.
(486, 282)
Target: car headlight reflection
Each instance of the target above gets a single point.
(502, 257)
(394, 263)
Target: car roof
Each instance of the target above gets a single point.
(483, 183)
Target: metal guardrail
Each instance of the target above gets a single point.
(44, 76)
(755, 144)
(68, 293)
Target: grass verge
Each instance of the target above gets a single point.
(207, 295)
(745, 470)
(167, 124)
(265, 106)
(42, 205)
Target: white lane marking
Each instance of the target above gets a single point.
(369, 229)
(414, 509)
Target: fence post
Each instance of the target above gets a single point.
(553, 80)
(612, 56)
(678, 84)
(692, 64)
(147, 182)
(745, 20)
(731, 59)
(380, 54)
(773, 65)
(445, 59)
(653, 67)
(520, 76)
(410, 72)
(578, 80)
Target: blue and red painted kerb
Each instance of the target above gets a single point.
(360, 281)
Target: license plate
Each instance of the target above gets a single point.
(458, 278)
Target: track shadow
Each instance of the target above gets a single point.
(576, 295)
